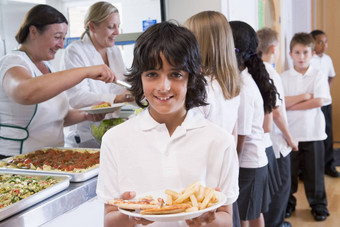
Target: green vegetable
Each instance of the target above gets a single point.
(98, 131)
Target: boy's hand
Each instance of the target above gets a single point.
(131, 195)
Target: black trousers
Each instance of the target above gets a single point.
(277, 208)
(311, 156)
(329, 155)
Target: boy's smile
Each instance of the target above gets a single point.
(301, 55)
(165, 89)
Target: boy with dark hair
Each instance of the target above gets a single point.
(305, 93)
(324, 63)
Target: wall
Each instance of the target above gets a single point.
(180, 10)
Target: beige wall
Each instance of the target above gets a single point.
(328, 19)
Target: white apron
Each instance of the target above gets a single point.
(24, 128)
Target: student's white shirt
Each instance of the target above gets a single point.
(250, 124)
(280, 144)
(325, 65)
(220, 111)
(139, 155)
(306, 125)
(82, 53)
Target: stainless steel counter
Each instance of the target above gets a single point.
(73, 196)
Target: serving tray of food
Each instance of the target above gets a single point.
(79, 163)
(19, 191)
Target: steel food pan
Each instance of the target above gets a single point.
(75, 177)
(63, 183)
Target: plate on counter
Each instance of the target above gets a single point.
(172, 217)
(61, 183)
(88, 158)
(114, 107)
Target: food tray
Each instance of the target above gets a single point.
(63, 183)
(75, 177)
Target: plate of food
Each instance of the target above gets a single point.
(171, 205)
(103, 108)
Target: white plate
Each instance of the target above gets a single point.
(103, 110)
(172, 217)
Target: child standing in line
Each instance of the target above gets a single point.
(158, 148)
(280, 136)
(258, 97)
(305, 92)
(324, 63)
(216, 43)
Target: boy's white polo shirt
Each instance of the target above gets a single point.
(249, 124)
(325, 65)
(280, 144)
(139, 155)
(306, 125)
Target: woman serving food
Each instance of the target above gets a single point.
(96, 46)
(33, 105)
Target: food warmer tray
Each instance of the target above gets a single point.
(75, 177)
(64, 182)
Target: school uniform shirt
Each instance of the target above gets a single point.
(249, 124)
(139, 155)
(280, 145)
(47, 118)
(325, 65)
(306, 125)
(220, 111)
(82, 53)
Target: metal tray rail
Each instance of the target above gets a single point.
(75, 177)
(64, 182)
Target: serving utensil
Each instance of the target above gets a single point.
(123, 84)
(16, 165)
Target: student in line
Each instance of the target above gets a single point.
(258, 98)
(283, 142)
(323, 62)
(216, 43)
(306, 91)
(167, 81)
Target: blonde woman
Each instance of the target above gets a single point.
(96, 46)
(217, 48)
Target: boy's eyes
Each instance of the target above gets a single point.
(174, 74)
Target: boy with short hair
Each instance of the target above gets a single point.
(324, 63)
(282, 141)
(305, 93)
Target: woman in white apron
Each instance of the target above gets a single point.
(33, 105)
(96, 46)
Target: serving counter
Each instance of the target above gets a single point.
(56, 205)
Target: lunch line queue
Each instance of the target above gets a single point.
(49, 37)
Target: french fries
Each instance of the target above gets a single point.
(196, 195)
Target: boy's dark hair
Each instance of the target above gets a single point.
(302, 38)
(180, 48)
(317, 32)
(39, 16)
(246, 43)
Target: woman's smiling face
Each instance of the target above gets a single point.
(165, 89)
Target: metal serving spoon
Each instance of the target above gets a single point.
(16, 165)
